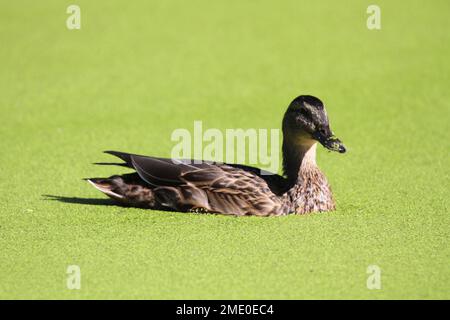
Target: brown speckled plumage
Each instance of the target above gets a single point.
(180, 185)
(311, 192)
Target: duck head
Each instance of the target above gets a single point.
(306, 122)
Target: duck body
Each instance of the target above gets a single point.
(206, 187)
(182, 185)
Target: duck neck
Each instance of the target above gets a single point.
(308, 188)
(297, 159)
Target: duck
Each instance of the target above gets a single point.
(235, 189)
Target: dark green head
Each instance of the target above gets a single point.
(306, 121)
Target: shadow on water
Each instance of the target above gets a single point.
(75, 200)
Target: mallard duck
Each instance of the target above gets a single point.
(233, 189)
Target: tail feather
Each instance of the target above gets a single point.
(121, 155)
(128, 189)
(105, 186)
(122, 164)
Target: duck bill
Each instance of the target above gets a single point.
(330, 142)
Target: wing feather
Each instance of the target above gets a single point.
(217, 187)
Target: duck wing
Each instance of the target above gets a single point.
(156, 166)
(214, 187)
(235, 191)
